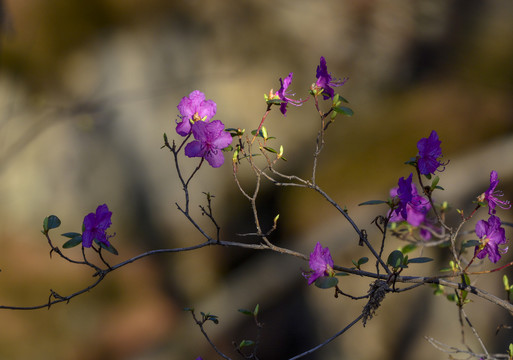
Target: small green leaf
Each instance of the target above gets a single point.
(505, 281)
(395, 259)
(465, 279)
(408, 248)
(452, 297)
(326, 282)
(341, 274)
(71, 234)
(372, 202)
(51, 222)
(274, 101)
(434, 183)
(344, 110)
(463, 297)
(363, 260)
(109, 248)
(245, 312)
(72, 242)
(439, 289)
(245, 343)
(343, 99)
(420, 260)
(510, 349)
(270, 149)
(188, 309)
(470, 243)
(264, 132)
(257, 308)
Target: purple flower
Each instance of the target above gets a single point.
(491, 194)
(325, 82)
(210, 140)
(321, 264)
(284, 96)
(412, 207)
(95, 225)
(194, 108)
(429, 152)
(491, 235)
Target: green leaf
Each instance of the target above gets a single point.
(51, 222)
(420, 260)
(408, 248)
(110, 248)
(73, 242)
(71, 234)
(245, 343)
(245, 312)
(257, 308)
(470, 243)
(510, 349)
(342, 98)
(326, 282)
(505, 281)
(188, 309)
(341, 274)
(463, 297)
(270, 149)
(439, 289)
(452, 297)
(372, 202)
(465, 279)
(344, 110)
(395, 259)
(434, 183)
(363, 260)
(274, 101)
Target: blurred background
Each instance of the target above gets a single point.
(89, 87)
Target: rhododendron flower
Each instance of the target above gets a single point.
(491, 194)
(321, 264)
(210, 140)
(429, 152)
(284, 96)
(95, 226)
(325, 81)
(412, 207)
(194, 108)
(491, 235)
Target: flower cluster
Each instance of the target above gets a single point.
(210, 137)
(491, 233)
(194, 108)
(411, 206)
(321, 264)
(96, 225)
